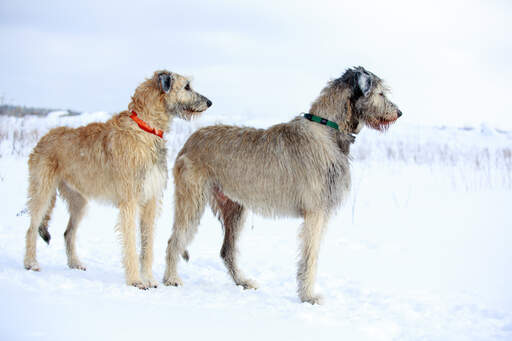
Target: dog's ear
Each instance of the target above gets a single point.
(165, 82)
(364, 81)
(358, 80)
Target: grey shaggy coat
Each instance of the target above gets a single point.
(298, 169)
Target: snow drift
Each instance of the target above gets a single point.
(419, 251)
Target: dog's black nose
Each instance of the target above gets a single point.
(209, 103)
(399, 113)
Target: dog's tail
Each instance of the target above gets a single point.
(43, 228)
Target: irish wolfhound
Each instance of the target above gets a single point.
(122, 161)
(298, 169)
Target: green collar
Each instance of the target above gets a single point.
(321, 120)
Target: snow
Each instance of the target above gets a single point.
(419, 251)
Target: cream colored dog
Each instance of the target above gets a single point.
(122, 161)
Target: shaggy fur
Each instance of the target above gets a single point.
(115, 161)
(298, 169)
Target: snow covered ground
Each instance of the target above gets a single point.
(419, 251)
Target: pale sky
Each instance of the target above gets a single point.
(447, 62)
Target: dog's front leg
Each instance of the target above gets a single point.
(127, 211)
(310, 238)
(147, 221)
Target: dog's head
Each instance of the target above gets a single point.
(368, 98)
(177, 95)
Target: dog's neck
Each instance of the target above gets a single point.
(156, 116)
(336, 108)
(339, 109)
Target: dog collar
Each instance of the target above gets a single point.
(146, 127)
(321, 120)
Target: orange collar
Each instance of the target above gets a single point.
(144, 126)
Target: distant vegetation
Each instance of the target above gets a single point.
(19, 111)
(469, 157)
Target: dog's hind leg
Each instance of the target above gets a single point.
(76, 207)
(148, 214)
(188, 212)
(310, 237)
(43, 227)
(42, 188)
(189, 207)
(232, 217)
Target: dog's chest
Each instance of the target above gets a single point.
(155, 178)
(337, 182)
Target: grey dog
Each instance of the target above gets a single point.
(300, 169)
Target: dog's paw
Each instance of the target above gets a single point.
(247, 284)
(312, 299)
(151, 282)
(174, 281)
(77, 265)
(32, 265)
(138, 284)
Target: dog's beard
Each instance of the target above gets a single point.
(380, 123)
(188, 113)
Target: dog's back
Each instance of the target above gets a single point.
(95, 158)
(280, 171)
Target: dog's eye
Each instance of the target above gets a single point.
(381, 94)
(187, 87)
